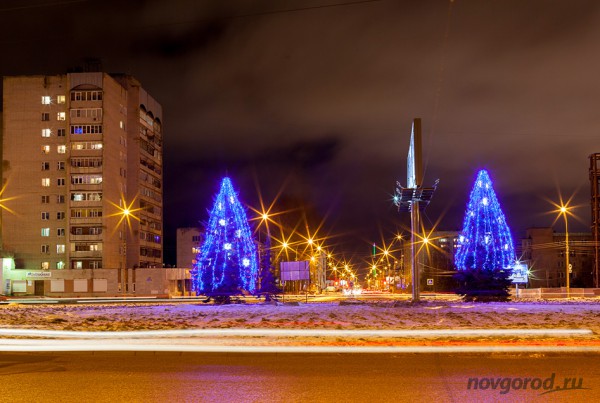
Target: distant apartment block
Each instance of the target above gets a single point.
(595, 201)
(189, 241)
(544, 252)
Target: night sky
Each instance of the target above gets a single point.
(315, 99)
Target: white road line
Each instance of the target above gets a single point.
(81, 346)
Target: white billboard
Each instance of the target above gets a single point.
(295, 270)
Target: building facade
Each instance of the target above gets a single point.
(544, 253)
(189, 241)
(82, 179)
(435, 260)
(438, 261)
(595, 202)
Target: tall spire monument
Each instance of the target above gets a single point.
(414, 198)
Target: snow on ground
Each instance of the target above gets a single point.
(333, 315)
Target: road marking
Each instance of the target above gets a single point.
(118, 345)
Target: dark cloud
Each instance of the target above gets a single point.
(175, 45)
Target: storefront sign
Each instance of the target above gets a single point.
(38, 274)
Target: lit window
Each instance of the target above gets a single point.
(45, 265)
(60, 249)
(121, 124)
(61, 149)
(46, 100)
(60, 265)
(46, 132)
(78, 264)
(60, 99)
(45, 149)
(61, 116)
(45, 231)
(45, 182)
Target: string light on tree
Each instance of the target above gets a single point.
(228, 259)
(485, 241)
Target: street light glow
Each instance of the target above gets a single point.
(564, 209)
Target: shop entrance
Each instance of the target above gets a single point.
(39, 287)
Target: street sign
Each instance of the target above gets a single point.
(519, 273)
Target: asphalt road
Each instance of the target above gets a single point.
(218, 377)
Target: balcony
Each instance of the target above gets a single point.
(93, 238)
(86, 254)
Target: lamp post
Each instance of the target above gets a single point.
(124, 277)
(125, 212)
(564, 210)
(266, 259)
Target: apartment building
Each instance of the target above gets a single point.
(189, 242)
(82, 183)
(544, 253)
(595, 202)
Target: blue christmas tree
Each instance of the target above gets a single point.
(485, 242)
(228, 260)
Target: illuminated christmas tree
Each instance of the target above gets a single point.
(228, 260)
(485, 242)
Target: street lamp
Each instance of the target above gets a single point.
(124, 278)
(125, 212)
(564, 210)
(265, 257)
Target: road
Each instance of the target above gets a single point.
(229, 377)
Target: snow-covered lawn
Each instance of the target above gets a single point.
(371, 315)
